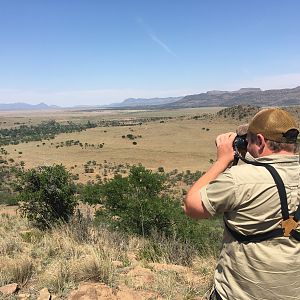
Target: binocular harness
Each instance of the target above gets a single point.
(289, 223)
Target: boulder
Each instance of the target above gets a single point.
(44, 295)
(9, 289)
(92, 291)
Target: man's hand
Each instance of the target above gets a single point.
(225, 152)
(193, 205)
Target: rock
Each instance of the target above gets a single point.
(140, 276)
(125, 293)
(92, 291)
(23, 296)
(9, 289)
(44, 294)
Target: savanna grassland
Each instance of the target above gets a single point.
(178, 139)
(101, 256)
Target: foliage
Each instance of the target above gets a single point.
(49, 129)
(46, 195)
(7, 171)
(136, 204)
(91, 193)
(158, 248)
(140, 204)
(44, 130)
(238, 112)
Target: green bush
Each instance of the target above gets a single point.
(136, 203)
(46, 195)
(91, 193)
(140, 204)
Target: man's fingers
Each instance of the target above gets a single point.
(225, 137)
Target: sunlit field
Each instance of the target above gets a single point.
(91, 251)
(177, 139)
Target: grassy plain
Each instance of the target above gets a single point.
(112, 263)
(181, 142)
(65, 257)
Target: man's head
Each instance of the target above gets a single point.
(272, 130)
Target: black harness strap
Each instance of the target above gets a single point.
(281, 191)
(296, 235)
(254, 238)
(297, 214)
(280, 186)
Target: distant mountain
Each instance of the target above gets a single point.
(250, 96)
(25, 106)
(138, 102)
(240, 91)
(243, 96)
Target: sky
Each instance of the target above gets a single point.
(95, 52)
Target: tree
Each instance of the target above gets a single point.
(46, 195)
(141, 204)
(137, 203)
(91, 193)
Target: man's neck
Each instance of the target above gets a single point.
(268, 152)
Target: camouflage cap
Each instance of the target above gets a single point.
(275, 124)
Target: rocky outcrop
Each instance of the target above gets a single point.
(9, 289)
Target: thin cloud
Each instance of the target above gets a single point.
(154, 37)
(162, 44)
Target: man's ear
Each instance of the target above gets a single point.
(261, 142)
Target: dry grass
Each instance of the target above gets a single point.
(69, 254)
(59, 261)
(179, 143)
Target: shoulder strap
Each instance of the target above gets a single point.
(297, 214)
(280, 187)
(254, 238)
(284, 210)
(281, 191)
(295, 233)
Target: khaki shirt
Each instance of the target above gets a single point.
(248, 197)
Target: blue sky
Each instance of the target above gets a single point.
(93, 52)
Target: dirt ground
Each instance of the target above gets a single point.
(8, 210)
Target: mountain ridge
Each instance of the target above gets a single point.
(25, 106)
(213, 98)
(252, 96)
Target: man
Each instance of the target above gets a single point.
(248, 197)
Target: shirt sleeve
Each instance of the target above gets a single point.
(219, 196)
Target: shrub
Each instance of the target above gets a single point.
(158, 248)
(91, 193)
(161, 169)
(135, 203)
(140, 204)
(46, 195)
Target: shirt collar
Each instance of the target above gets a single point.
(275, 158)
